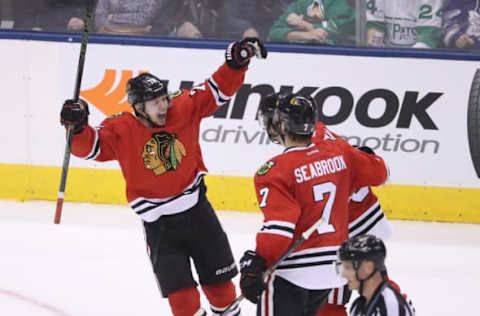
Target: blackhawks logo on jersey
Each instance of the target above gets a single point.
(163, 152)
(265, 168)
(115, 115)
(176, 94)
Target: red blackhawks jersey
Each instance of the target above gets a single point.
(298, 187)
(365, 213)
(162, 166)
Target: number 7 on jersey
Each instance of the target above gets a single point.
(319, 191)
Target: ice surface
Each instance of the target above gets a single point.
(95, 262)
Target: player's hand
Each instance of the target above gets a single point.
(320, 35)
(464, 41)
(252, 266)
(76, 114)
(239, 53)
(294, 19)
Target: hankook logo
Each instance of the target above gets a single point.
(398, 112)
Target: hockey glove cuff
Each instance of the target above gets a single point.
(252, 266)
(238, 53)
(76, 114)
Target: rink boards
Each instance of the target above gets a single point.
(413, 112)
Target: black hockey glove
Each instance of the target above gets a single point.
(75, 114)
(238, 53)
(252, 266)
(366, 149)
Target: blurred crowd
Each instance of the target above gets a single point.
(385, 23)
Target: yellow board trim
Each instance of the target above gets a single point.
(25, 182)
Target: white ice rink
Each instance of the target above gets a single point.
(95, 262)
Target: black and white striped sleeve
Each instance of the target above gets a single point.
(217, 94)
(95, 148)
(282, 228)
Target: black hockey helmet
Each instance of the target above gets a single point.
(364, 248)
(145, 87)
(298, 111)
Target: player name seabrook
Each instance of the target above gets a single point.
(319, 168)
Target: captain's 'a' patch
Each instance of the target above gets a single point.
(115, 115)
(265, 168)
(176, 94)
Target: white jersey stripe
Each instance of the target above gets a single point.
(145, 205)
(331, 297)
(389, 296)
(368, 224)
(234, 311)
(373, 221)
(314, 250)
(340, 292)
(271, 311)
(267, 296)
(276, 232)
(282, 228)
(160, 200)
(96, 148)
(312, 268)
(336, 296)
(280, 223)
(365, 214)
(179, 205)
(223, 96)
(150, 210)
(219, 97)
(298, 148)
(319, 258)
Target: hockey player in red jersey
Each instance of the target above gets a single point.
(365, 213)
(294, 189)
(159, 153)
(365, 217)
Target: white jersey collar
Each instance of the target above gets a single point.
(295, 148)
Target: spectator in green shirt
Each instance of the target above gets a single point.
(315, 21)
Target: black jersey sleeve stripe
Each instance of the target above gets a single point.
(363, 221)
(96, 151)
(311, 255)
(303, 265)
(367, 229)
(287, 229)
(219, 97)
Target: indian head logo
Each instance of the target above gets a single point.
(294, 101)
(108, 96)
(163, 152)
(263, 170)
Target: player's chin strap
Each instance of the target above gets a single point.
(360, 290)
(273, 135)
(147, 117)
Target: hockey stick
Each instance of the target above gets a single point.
(306, 234)
(66, 157)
